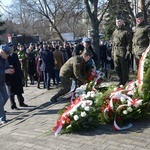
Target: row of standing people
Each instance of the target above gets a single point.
(42, 62)
(27, 62)
(125, 42)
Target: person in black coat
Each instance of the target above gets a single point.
(14, 82)
(47, 65)
(31, 64)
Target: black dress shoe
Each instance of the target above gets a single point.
(53, 99)
(23, 105)
(14, 108)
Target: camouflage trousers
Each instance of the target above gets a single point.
(66, 86)
(122, 68)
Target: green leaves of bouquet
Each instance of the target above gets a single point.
(146, 87)
(84, 117)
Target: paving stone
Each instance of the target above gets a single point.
(31, 128)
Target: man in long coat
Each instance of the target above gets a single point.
(14, 82)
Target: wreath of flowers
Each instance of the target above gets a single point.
(92, 104)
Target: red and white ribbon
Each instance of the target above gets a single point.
(129, 102)
(141, 67)
(71, 109)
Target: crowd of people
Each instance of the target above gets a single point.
(54, 63)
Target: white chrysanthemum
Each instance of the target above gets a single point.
(136, 83)
(76, 117)
(90, 102)
(125, 112)
(140, 102)
(77, 90)
(83, 105)
(92, 94)
(76, 95)
(86, 108)
(83, 87)
(88, 94)
(83, 114)
(121, 86)
(83, 96)
(83, 92)
(115, 88)
(129, 109)
(122, 99)
(129, 103)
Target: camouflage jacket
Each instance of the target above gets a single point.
(23, 57)
(121, 42)
(73, 68)
(141, 38)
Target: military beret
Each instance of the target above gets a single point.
(86, 39)
(140, 14)
(5, 48)
(119, 17)
(87, 52)
(10, 44)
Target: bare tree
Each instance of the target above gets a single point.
(96, 12)
(20, 16)
(74, 19)
(53, 11)
(144, 6)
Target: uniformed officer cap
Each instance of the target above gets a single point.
(5, 48)
(10, 44)
(88, 52)
(86, 39)
(140, 14)
(119, 17)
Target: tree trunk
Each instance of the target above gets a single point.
(95, 37)
(143, 8)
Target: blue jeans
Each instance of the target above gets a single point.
(47, 77)
(3, 100)
(57, 76)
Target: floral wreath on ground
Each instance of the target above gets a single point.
(93, 104)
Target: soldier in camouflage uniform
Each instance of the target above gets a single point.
(141, 38)
(121, 48)
(23, 58)
(72, 70)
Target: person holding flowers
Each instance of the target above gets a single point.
(72, 70)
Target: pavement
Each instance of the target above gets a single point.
(31, 128)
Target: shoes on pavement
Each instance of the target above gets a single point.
(53, 99)
(3, 123)
(14, 108)
(23, 105)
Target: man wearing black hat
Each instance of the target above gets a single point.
(4, 68)
(141, 38)
(121, 47)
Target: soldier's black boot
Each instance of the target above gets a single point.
(53, 99)
(38, 85)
